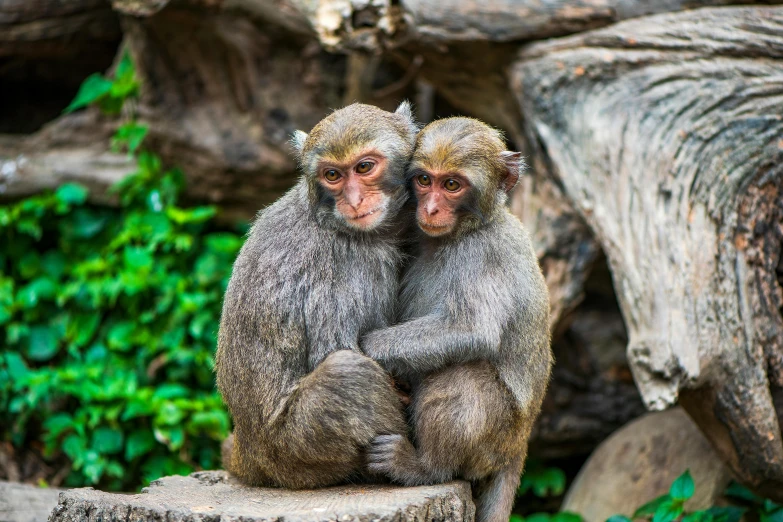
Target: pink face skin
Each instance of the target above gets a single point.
(439, 195)
(356, 187)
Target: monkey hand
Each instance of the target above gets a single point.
(388, 455)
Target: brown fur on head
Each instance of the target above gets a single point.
(460, 173)
(354, 161)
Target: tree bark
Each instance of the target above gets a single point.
(666, 134)
(214, 495)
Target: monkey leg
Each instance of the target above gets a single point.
(319, 434)
(467, 424)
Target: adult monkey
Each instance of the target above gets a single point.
(318, 270)
(474, 341)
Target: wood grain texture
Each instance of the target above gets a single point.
(666, 134)
(214, 495)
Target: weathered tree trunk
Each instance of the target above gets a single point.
(666, 134)
(213, 495)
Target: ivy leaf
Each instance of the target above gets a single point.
(107, 440)
(727, 513)
(16, 366)
(82, 328)
(538, 517)
(650, 507)
(42, 343)
(668, 511)
(618, 518)
(139, 442)
(516, 517)
(566, 516)
(173, 437)
(137, 258)
(683, 487)
(120, 335)
(93, 88)
(771, 516)
(129, 135)
(71, 193)
(738, 491)
(57, 424)
(698, 516)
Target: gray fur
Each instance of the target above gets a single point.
(304, 289)
(473, 342)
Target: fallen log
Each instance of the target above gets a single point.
(666, 134)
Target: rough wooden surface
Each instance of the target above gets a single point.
(666, 133)
(213, 495)
(25, 503)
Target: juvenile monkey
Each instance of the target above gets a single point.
(319, 269)
(474, 341)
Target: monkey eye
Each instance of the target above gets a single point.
(331, 175)
(452, 185)
(364, 167)
(424, 180)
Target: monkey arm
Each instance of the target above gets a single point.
(431, 342)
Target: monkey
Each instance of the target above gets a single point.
(474, 338)
(319, 269)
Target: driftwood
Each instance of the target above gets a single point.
(213, 495)
(656, 138)
(666, 133)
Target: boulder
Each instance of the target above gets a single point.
(640, 461)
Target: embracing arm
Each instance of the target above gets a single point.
(431, 342)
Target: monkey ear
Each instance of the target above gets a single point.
(515, 164)
(298, 140)
(406, 111)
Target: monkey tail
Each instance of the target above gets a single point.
(495, 495)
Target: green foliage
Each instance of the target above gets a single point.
(108, 319)
(766, 510)
(562, 516)
(671, 507)
(108, 93)
(542, 481)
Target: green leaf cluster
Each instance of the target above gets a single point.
(562, 516)
(671, 507)
(542, 481)
(109, 93)
(108, 320)
(765, 509)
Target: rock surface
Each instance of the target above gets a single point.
(25, 503)
(639, 462)
(214, 495)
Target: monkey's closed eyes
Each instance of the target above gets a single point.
(364, 167)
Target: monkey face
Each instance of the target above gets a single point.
(357, 188)
(440, 196)
(354, 165)
(460, 174)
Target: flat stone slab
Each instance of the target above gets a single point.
(215, 496)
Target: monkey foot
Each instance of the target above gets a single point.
(395, 457)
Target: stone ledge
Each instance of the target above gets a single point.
(212, 496)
